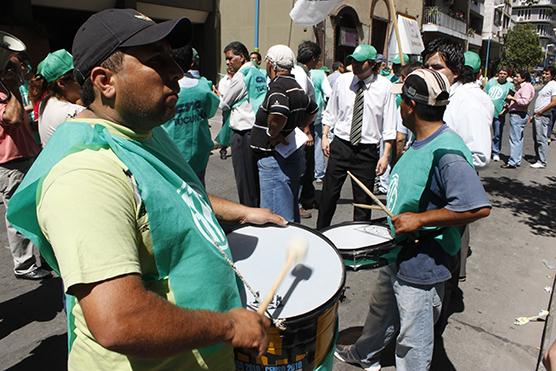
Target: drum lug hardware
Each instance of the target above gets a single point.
(342, 297)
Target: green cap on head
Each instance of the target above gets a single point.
(363, 52)
(472, 60)
(396, 59)
(55, 65)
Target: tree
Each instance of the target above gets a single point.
(522, 49)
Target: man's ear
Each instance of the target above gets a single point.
(103, 79)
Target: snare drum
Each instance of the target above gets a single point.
(361, 244)
(307, 300)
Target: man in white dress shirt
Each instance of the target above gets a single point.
(362, 112)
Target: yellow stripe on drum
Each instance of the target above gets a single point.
(326, 329)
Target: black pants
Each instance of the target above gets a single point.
(245, 168)
(361, 161)
(307, 197)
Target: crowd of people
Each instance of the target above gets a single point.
(104, 172)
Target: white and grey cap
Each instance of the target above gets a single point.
(281, 56)
(425, 86)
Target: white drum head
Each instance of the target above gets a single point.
(357, 235)
(260, 253)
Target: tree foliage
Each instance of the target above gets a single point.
(522, 48)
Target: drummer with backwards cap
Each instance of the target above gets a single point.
(126, 222)
(434, 190)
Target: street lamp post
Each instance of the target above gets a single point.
(490, 38)
(548, 46)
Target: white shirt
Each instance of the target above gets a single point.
(545, 96)
(53, 115)
(224, 84)
(242, 116)
(470, 113)
(379, 111)
(304, 80)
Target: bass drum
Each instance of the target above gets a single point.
(306, 301)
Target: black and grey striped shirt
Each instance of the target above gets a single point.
(284, 97)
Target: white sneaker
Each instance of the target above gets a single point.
(495, 158)
(538, 165)
(346, 353)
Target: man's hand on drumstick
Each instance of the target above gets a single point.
(407, 222)
(248, 330)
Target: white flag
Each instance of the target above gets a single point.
(311, 12)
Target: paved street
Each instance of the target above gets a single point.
(513, 260)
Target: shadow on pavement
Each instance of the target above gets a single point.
(534, 203)
(41, 304)
(50, 354)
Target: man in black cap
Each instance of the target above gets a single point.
(123, 219)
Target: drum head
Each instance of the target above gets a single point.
(260, 253)
(357, 235)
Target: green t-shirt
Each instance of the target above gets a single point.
(498, 93)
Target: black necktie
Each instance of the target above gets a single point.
(357, 118)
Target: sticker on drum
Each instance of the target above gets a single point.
(361, 244)
(307, 299)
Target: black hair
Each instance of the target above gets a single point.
(259, 57)
(467, 75)
(552, 71)
(424, 111)
(183, 57)
(525, 75)
(336, 65)
(114, 64)
(238, 49)
(308, 50)
(502, 67)
(451, 52)
(410, 67)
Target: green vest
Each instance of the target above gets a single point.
(255, 81)
(183, 226)
(498, 93)
(317, 77)
(410, 182)
(189, 128)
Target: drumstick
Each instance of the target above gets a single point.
(371, 195)
(372, 207)
(296, 253)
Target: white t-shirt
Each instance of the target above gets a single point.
(53, 115)
(380, 115)
(470, 113)
(545, 95)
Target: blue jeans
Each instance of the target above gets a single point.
(540, 134)
(280, 180)
(497, 129)
(399, 305)
(517, 123)
(320, 164)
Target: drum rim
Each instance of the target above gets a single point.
(379, 245)
(336, 295)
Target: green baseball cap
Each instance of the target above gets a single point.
(472, 60)
(363, 52)
(396, 59)
(55, 65)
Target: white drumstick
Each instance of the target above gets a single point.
(296, 254)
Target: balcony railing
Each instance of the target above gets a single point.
(434, 16)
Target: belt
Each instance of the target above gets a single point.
(360, 145)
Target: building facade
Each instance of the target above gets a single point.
(541, 14)
(497, 22)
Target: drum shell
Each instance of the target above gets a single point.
(306, 340)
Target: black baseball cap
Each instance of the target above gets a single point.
(108, 30)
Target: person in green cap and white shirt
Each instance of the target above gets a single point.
(362, 112)
(189, 128)
(397, 66)
(55, 78)
(498, 88)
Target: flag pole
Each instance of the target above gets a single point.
(396, 30)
